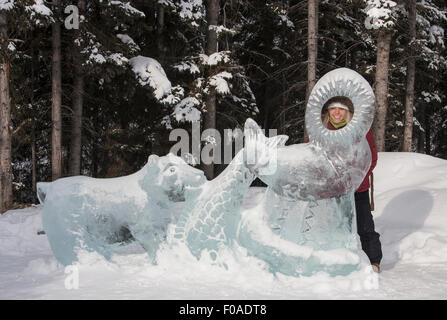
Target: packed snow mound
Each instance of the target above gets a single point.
(410, 204)
(19, 232)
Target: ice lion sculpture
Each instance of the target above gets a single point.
(83, 213)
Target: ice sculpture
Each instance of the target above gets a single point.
(333, 162)
(306, 221)
(279, 232)
(99, 214)
(304, 224)
(211, 221)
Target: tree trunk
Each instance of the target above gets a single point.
(33, 161)
(312, 48)
(34, 55)
(56, 97)
(282, 121)
(420, 131)
(76, 133)
(78, 95)
(5, 121)
(381, 87)
(160, 33)
(427, 119)
(409, 97)
(212, 14)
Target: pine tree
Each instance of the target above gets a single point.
(33, 14)
(78, 102)
(5, 118)
(56, 95)
(411, 70)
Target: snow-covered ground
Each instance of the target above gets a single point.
(411, 216)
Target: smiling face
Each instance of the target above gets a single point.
(337, 109)
(337, 114)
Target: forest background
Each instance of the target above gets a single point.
(95, 87)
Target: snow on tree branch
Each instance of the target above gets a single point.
(430, 97)
(127, 8)
(6, 4)
(437, 35)
(183, 66)
(218, 81)
(215, 58)
(188, 10)
(126, 39)
(222, 30)
(186, 110)
(149, 71)
(118, 59)
(380, 14)
(39, 10)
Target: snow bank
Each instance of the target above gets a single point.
(411, 202)
(18, 232)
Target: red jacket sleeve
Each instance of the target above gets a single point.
(372, 146)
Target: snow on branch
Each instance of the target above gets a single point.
(431, 97)
(190, 9)
(222, 30)
(220, 83)
(380, 14)
(126, 39)
(215, 58)
(437, 35)
(6, 4)
(433, 10)
(187, 10)
(186, 110)
(284, 20)
(92, 49)
(118, 59)
(149, 71)
(188, 66)
(39, 8)
(127, 8)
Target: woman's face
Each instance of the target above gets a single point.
(337, 114)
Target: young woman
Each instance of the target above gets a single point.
(337, 112)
